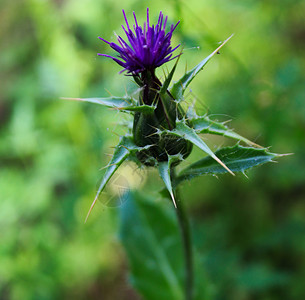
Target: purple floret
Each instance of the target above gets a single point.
(147, 48)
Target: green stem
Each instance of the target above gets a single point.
(186, 242)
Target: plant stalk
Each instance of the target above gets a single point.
(185, 231)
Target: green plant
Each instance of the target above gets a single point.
(162, 133)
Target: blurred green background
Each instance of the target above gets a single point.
(251, 232)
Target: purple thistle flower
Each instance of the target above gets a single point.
(149, 47)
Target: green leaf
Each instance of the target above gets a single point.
(237, 158)
(205, 125)
(150, 235)
(190, 134)
(169, 78)
(180, 86)
(125, 148)
(165, 173)
(146, 109)
(120, 103)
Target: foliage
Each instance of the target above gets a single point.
(148, 231)
(249, 233)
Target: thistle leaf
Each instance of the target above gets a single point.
(120, 103)
(205, 125)
(190, 134)
(149, 233)
(145, 109)
(237, 158)
(180, 86)
(165, 173)
(121, 153)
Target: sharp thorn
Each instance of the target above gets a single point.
(173, 198)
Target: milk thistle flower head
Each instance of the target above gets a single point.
(161, 133)
(148, 47)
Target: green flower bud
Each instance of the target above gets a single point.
(151, 129)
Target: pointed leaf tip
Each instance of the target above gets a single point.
(120, 103)
(91, 207)
(180, 86)
(190, 135)
(121, 153)
(173, 198)
(222, 164)
(164, 171)
(237, 158)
